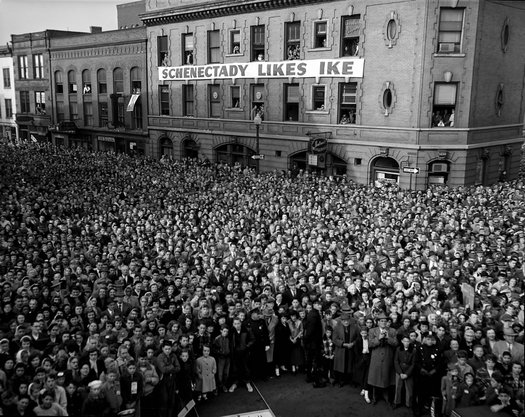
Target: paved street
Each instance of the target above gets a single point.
(290, 396)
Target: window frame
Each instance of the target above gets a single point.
(73, 110)
(231, 42)
(23, 68)
(25, 104)
(8, 108)
(292, 46)
(316, 33)
(103, 114)
(6, 74)
(162, 51)
(188, 100)
(40, 99)
(164, 100)
(290, 115)
(72, 86)
(135, 79)
(235, 97)
(214, 100)
(314, 105)
(188, 55)
(88, 116)
(445, 47)
(87, 85)
(350, 43)
(257, 48)
(345, 107)
(257, 103)
(38, 66)
(444, 107)
(100, 83)
(118, 83)
(214, 49)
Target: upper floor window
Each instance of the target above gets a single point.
(443, 111)
(72, 82)
(214, 100)
(24, 102)
(319, 97)
(7, 77)
(8, 108)
(59, 83)
(235, 41)
(86, 82)
(187, 100)
(293, 40)
(235, 96)
(258, 101)
(164, 100)
(23, 69)
(450, 30)
(291, 105)
(187, 49)
(320, 33)
(118, 81)
(38, 66)
(162, 48)
(136, 80)
(351, 28)
(214, 47)
(101, 81)
(40, 102)
(257, 43)
(347, 102)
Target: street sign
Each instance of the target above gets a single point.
(257, 156)
(411, 170)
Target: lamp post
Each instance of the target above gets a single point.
(257, 122)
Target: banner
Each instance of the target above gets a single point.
(342, 67)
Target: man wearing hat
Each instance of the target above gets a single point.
(261, 343)
(509, 344)
(313, 342)
(344, 337)
(271, 320)
(427, 383)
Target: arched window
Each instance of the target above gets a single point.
(59, 82)
(136, 83)
(72, 82)
(166, 147)
(118, 81)
(86, 82)
(101, 81)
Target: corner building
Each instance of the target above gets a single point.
(415, 92)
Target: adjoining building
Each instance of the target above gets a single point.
(415, 92)
(98, 83)
(8, 127)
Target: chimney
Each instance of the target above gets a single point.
(95, 29)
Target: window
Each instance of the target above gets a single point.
(38, 66)
(320, 34)
(7, 77)
(318, 97)
(136, 115)
(86, 82)
(347, 102)
(187, 100)
(101, 81)
(257, 39)
(450, 30)
(293, 40)
(214, 47)
(59, 83)
(164, 97)
(258, 100)
(136, 80)
(40, 102)
(187, 49)
(350, 35)
(444, 104)
(214, 100)
(60, 111)
(88, 113)
(24, 102)
(23, 69)
(73, 110)
(291, 105)
(118, 81)
(235, 42)
(102, 114)
(8, 108)
(162, 48)
(72, 82)
(235, 96)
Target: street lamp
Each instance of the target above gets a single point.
(257, 122)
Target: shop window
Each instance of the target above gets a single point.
(38, 66)
(319, 97)
(8, 108)
(257, 95)
(258, 46)
(443, 111)
(187, 100)
(291, 104)
(214, 100)
(187, 49)
(350, 32)
(214, 47)
(293, 40)
(235, 42)
(24, 102)
(347, 103)
(320, 33)
(7, 77)
(101, 81)
(23, 69)
(163, 53)
(40, 102)
(86, 82)
(102, 114)
(73, 110)
(450, 30)
(88, 113)
(118, 81)
(72, 82)
(235, 96)
(164, 98)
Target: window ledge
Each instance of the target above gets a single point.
(321, 49)
(323, 112)
(455, 55)
(237, 109)
(231, 55)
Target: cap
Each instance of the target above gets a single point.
(506, 317)
(95, 384)
(428, 334)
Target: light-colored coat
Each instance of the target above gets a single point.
(206, 368)
(381, 372)
(271, 322)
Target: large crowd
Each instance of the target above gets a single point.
(132, 286)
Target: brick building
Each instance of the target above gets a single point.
(98, 85)
(8, 127)
(369, 89)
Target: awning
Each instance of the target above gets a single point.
(132, 101)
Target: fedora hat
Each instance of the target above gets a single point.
(509, 332)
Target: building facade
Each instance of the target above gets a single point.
(415, 92)
(98, 83)
(8, 127)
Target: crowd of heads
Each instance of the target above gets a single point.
(83, 233)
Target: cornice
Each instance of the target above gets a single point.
(219, 9)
